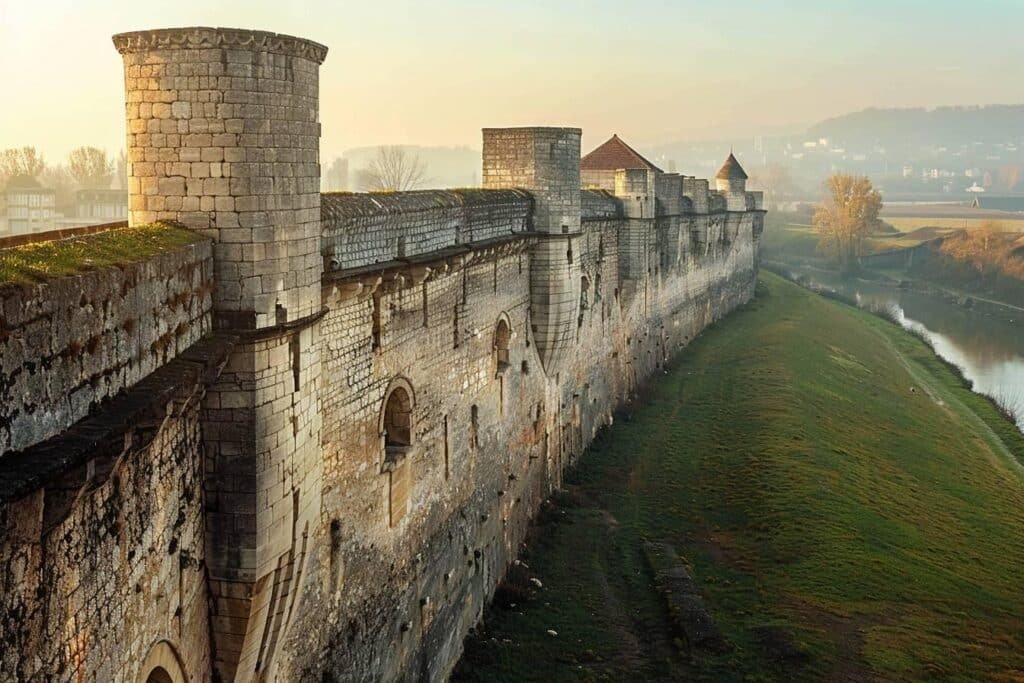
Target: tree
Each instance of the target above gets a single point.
(1009, 176)
(91, 168)
(846, 216)
(335, 178)
(774, 180)
(393, 169)
(58, 179)
(21, 161)
(983, 247)
(122, 170)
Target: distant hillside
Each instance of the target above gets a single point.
(947, 126)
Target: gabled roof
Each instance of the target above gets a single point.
(22, 181)
(613, 155)
(731, 170)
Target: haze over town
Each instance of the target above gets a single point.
(435, 73)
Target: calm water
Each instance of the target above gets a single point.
(987, 347)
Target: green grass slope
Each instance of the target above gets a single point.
(847, 508)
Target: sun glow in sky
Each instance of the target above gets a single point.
(435, 72)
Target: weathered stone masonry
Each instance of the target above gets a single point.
(325, 469)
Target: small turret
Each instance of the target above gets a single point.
(731, 177)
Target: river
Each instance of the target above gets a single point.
(985, 343)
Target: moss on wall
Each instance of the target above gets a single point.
(41, 261)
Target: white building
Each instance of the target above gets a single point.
(27, 206)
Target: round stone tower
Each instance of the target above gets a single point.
(545, 161)
(223, 136)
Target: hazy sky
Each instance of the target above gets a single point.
(436, 71)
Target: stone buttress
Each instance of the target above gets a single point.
(546, 162)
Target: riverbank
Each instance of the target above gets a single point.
(788, 244)
(845, 506)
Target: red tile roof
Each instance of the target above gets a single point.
(613, 155)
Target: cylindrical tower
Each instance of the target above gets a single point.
(223, 136)
(545, 161)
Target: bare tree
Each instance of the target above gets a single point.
(57, 178)
(393, 169)
(774, 180)
(335, 178)
(122, 170)
(90, 167)
(847, 215)
(20, 161)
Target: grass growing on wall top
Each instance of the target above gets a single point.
(41, 261)
(847, 507)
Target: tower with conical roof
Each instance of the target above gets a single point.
(731, 177)
(731, 181)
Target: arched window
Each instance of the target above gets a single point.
(159, 675)
(396, 432)
(502, 336)
(397, 424)
(161, 665)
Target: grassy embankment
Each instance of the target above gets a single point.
(846, 506)
(40, 261)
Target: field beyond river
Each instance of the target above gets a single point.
(842, 507)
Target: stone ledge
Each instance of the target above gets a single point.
(205, 37)
(346, 205)
(105, 431)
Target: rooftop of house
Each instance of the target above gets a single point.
(23, 181)
(613, 155)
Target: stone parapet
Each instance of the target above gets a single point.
(364, 229)
(70, 343)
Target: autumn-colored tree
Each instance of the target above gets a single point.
(90, 167)
(393, 169)
(1008, 176)
(20, 161)
(984, 248)
(846, 216)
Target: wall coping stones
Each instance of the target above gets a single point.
(344, 205)
(600, 205)
(105, 431)
(204, 37)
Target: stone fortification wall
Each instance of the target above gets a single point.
(70, 343)
(332, 484)
(417, 536)
(599, 205)
(104, 557)
(365, 229)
